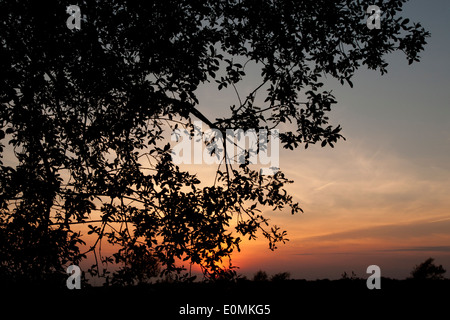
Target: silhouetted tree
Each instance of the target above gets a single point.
(138, 266)
(282, 276)
(84, 113)
(346, 276)
(260, 276)
(427, 270)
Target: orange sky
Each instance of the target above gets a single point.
(362, 207)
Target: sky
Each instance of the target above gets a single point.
(382, 196)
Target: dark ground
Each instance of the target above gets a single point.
(289, 299)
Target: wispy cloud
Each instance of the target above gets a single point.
(401, 231)
(324, 186)
(424, 248)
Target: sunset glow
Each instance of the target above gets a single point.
(382, 196)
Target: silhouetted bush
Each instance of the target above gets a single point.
(427, 270)
(282, 276)
(346, 276)
(260, 276)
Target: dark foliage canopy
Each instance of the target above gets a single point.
(84, 114)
